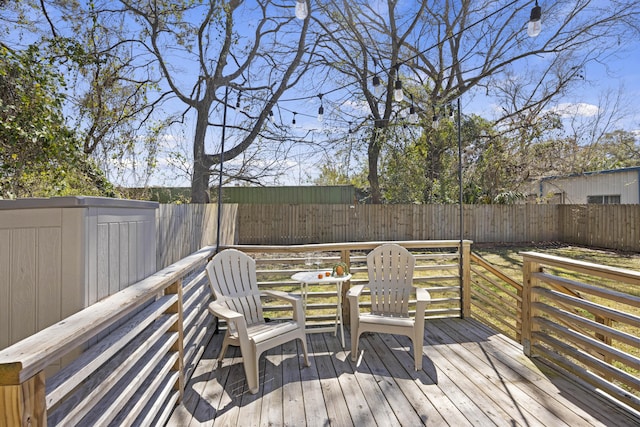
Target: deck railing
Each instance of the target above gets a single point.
(584, 319)
(139, 346)
(496, 298)
(437, 269)
(126, 358)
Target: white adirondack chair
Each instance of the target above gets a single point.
(390, 268)
(232, 276)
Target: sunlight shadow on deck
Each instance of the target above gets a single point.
(471, 376)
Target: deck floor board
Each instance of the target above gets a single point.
(471, 376)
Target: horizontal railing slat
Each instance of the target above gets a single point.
(88, 362)
(36, 352)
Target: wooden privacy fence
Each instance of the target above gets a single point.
(182, 229)
(607, 226)
(298, 224)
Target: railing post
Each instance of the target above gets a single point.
(528, 283)
(345, 256)
(465, 272)
(22, 404)
(178, 326)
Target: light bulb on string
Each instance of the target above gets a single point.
(302, 11)
(320, 110)
(413, 116)
(272, 117)
(377, 87)
(293, 122)
(452, 113)
(535, 26)
(398, 95)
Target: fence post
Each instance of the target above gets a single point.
(178, 326)
(345, 256)
(528, 283)
(22, 404)
(465, 271)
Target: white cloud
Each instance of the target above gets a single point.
(580, 109)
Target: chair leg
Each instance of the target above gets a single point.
(418, 340)
(303, 340)
(251, 362)
(225, 346)
(355, 337)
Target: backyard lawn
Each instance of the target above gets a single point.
(508, 259)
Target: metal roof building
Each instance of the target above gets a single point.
(614, 186)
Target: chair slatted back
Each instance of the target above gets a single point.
(232, 276)
(390, 268)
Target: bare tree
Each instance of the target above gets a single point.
(208, 52)
(445, 49)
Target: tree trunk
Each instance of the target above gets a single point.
(200, 177)
(374, 179)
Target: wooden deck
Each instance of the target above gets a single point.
(471, 377)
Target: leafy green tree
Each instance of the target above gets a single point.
(39, 154)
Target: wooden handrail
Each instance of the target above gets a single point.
(23, 399)
(555, 326)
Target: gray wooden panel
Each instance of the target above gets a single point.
(75, 255)
(123, 254)
(102, 264)
(113, 249)
(23, 283)
(5, 303)
(49, 281)
(133, 252)
(92, 257)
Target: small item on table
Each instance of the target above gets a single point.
(327, 273)
(340, 269)
(320, 276)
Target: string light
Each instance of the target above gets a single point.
(272, 117)
(397, 93)
(238, 100)
(320, 110)
(436, 121)
(413, 116)
(293, 122)
(377, 87)
(535, 26)
(302, 11)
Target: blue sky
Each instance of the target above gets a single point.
(587, 98)
(620, 72)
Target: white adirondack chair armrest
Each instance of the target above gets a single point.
(423, 297)
(224, 312)
(294, 300)
(355, 291)
(234, 320)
